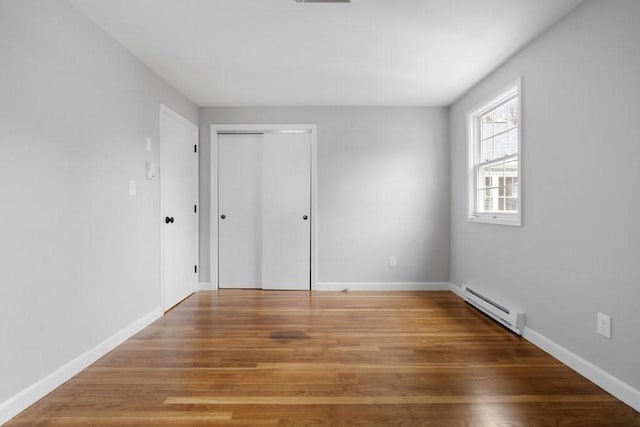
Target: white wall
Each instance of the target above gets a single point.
(382, 189)
(578, 250)
(79, 258)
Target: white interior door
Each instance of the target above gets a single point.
(239, 211)
(264, 200)
(179, 174)
(286, 230)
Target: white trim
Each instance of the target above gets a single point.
(499, 220)
(206, 286)
(21, 401)
(458, 290)
(164, 109)
(593, 373)
(213, 195)
(382, 286)
(512, 219)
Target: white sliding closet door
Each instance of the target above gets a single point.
(239, 212)
(286, 207)
(264, 207)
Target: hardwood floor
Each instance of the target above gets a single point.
(253, 358)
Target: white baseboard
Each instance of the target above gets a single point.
(206, 286)
(458, 290)
(593, 373)
(21, 401)
(382, 286)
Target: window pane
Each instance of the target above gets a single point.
(487, 126)
(513, 115)
(497, 137)
(513, 141)
(484, 201)
(488, 200)
(501, 144)
(498, 132)
(497, 171)
(508, 191)
(484, 177)
(511, 168)
(487, 150)
(501, 118)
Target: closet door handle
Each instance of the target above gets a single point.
(168, 220)
(305, 217)
(223, 216)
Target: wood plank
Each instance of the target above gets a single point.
(383, 400)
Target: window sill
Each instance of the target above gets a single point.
(514, 221)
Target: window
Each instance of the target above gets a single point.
(495, 160)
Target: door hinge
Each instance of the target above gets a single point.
(195, 269)
(195, 148)
(195, 208)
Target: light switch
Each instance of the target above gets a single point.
(604, 325)
(148, 144)
(132, 187)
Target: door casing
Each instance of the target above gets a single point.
(213, 210)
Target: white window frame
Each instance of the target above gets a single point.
(473, 150)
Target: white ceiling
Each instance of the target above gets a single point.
(280, 52)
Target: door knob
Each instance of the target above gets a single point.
(168, 220)
(305, 217)
(223, 216)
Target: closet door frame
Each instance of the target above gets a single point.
(217, 129)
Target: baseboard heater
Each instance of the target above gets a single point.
(503, 315)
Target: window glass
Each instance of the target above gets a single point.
(495, 186)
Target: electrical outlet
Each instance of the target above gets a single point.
(393, 261)
(604, 325)
(132, 187)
